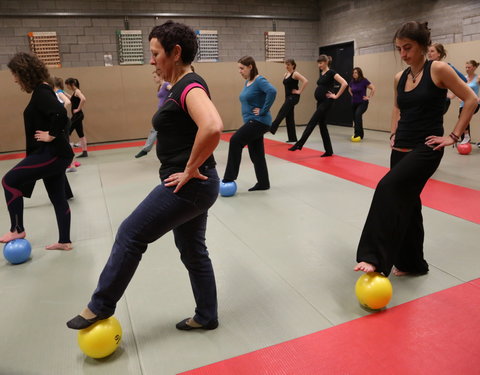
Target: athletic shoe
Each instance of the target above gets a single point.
(466, 139)
(71, 169)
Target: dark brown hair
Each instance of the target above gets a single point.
(360, 74)
(29, 69)
(440, 49)
(416, 31)
(473, 63)
(291, 62)
(72, 82)
(172, 33)
(247, 61)
(326, 58)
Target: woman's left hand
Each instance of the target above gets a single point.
(181, 178)
(331, 95)
(437, 143)
(42, 136)
(256, 111)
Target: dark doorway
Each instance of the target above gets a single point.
(342, 63)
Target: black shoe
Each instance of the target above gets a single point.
(183, 326)
(259, 187)
(141, 153)
(326, 154)
(79, 322)
(295, 147)
(290, 141)
(84, 154)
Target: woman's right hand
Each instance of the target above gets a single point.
(392, 140)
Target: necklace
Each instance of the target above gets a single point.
(414, 76)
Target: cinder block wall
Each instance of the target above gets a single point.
(371, 24)
(85, 40)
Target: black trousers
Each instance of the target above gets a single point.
(251, 135)
(358, 110)
(393, 233)
(320, 118)
(287, 112)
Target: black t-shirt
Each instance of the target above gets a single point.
(175, 128)
(421, 110)
(325, 84)
(44, 112)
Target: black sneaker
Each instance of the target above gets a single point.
(141, 153)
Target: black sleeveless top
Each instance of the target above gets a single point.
(421, 110)
(175, 128)
(290, 84)
(75, 102)
(325, 84)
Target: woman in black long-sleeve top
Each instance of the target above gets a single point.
(48, 151)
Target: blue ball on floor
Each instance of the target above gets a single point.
(228, 189)
(17, 251)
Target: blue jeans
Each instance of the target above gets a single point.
(184, 212)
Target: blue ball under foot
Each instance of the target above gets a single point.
(17, 251)
(228, 189)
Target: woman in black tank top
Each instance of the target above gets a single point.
(78, 101)
(393, 233)
(292, 97)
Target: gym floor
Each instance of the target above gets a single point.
(283, 260)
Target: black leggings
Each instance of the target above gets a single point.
(287, 112)
(358, 110)
(20, 180)
(77, 124)
(320, 118)
(251, 135)
(467, 129)
(393, 233)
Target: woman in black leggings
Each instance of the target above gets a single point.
(48, 151)
(78, 101)
(325, 98)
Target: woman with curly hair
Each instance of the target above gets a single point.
(48, 151)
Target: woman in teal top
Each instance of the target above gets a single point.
(256, 99)
(472, 82)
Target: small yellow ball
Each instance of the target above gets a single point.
(373, 290)
(356, 139)
(100, 339)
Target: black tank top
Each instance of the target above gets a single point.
(290, 84)
(75, 102)
(325, 84)
(421, 110)
(176, 130)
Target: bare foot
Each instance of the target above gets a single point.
(192, 323)
(397, 272)
(365, 267)
(10, 236)
(87, 313)
(59, 246)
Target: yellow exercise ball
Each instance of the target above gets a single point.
(100, 339)
(373, 290)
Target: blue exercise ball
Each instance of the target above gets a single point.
(17, 251)
(228, 189)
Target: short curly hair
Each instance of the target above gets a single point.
(172, 33)
(30, 70)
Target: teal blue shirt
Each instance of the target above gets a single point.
(260, 94)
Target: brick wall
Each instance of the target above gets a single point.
(85, 40)
(371, 24)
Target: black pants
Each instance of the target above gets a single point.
(77, 124)
(467, 129)
(251, 135)
(358, 110)
(20, 181)
(393, 233)
(287, 112)
(320, 118)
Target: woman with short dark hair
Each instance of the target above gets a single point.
(48, 151)
(189, 129)
(358, 90)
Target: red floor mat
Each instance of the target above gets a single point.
(437, 334)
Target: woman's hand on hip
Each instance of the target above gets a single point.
(437, 143)
(181, 178)
(256, 111)
(42, 136)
